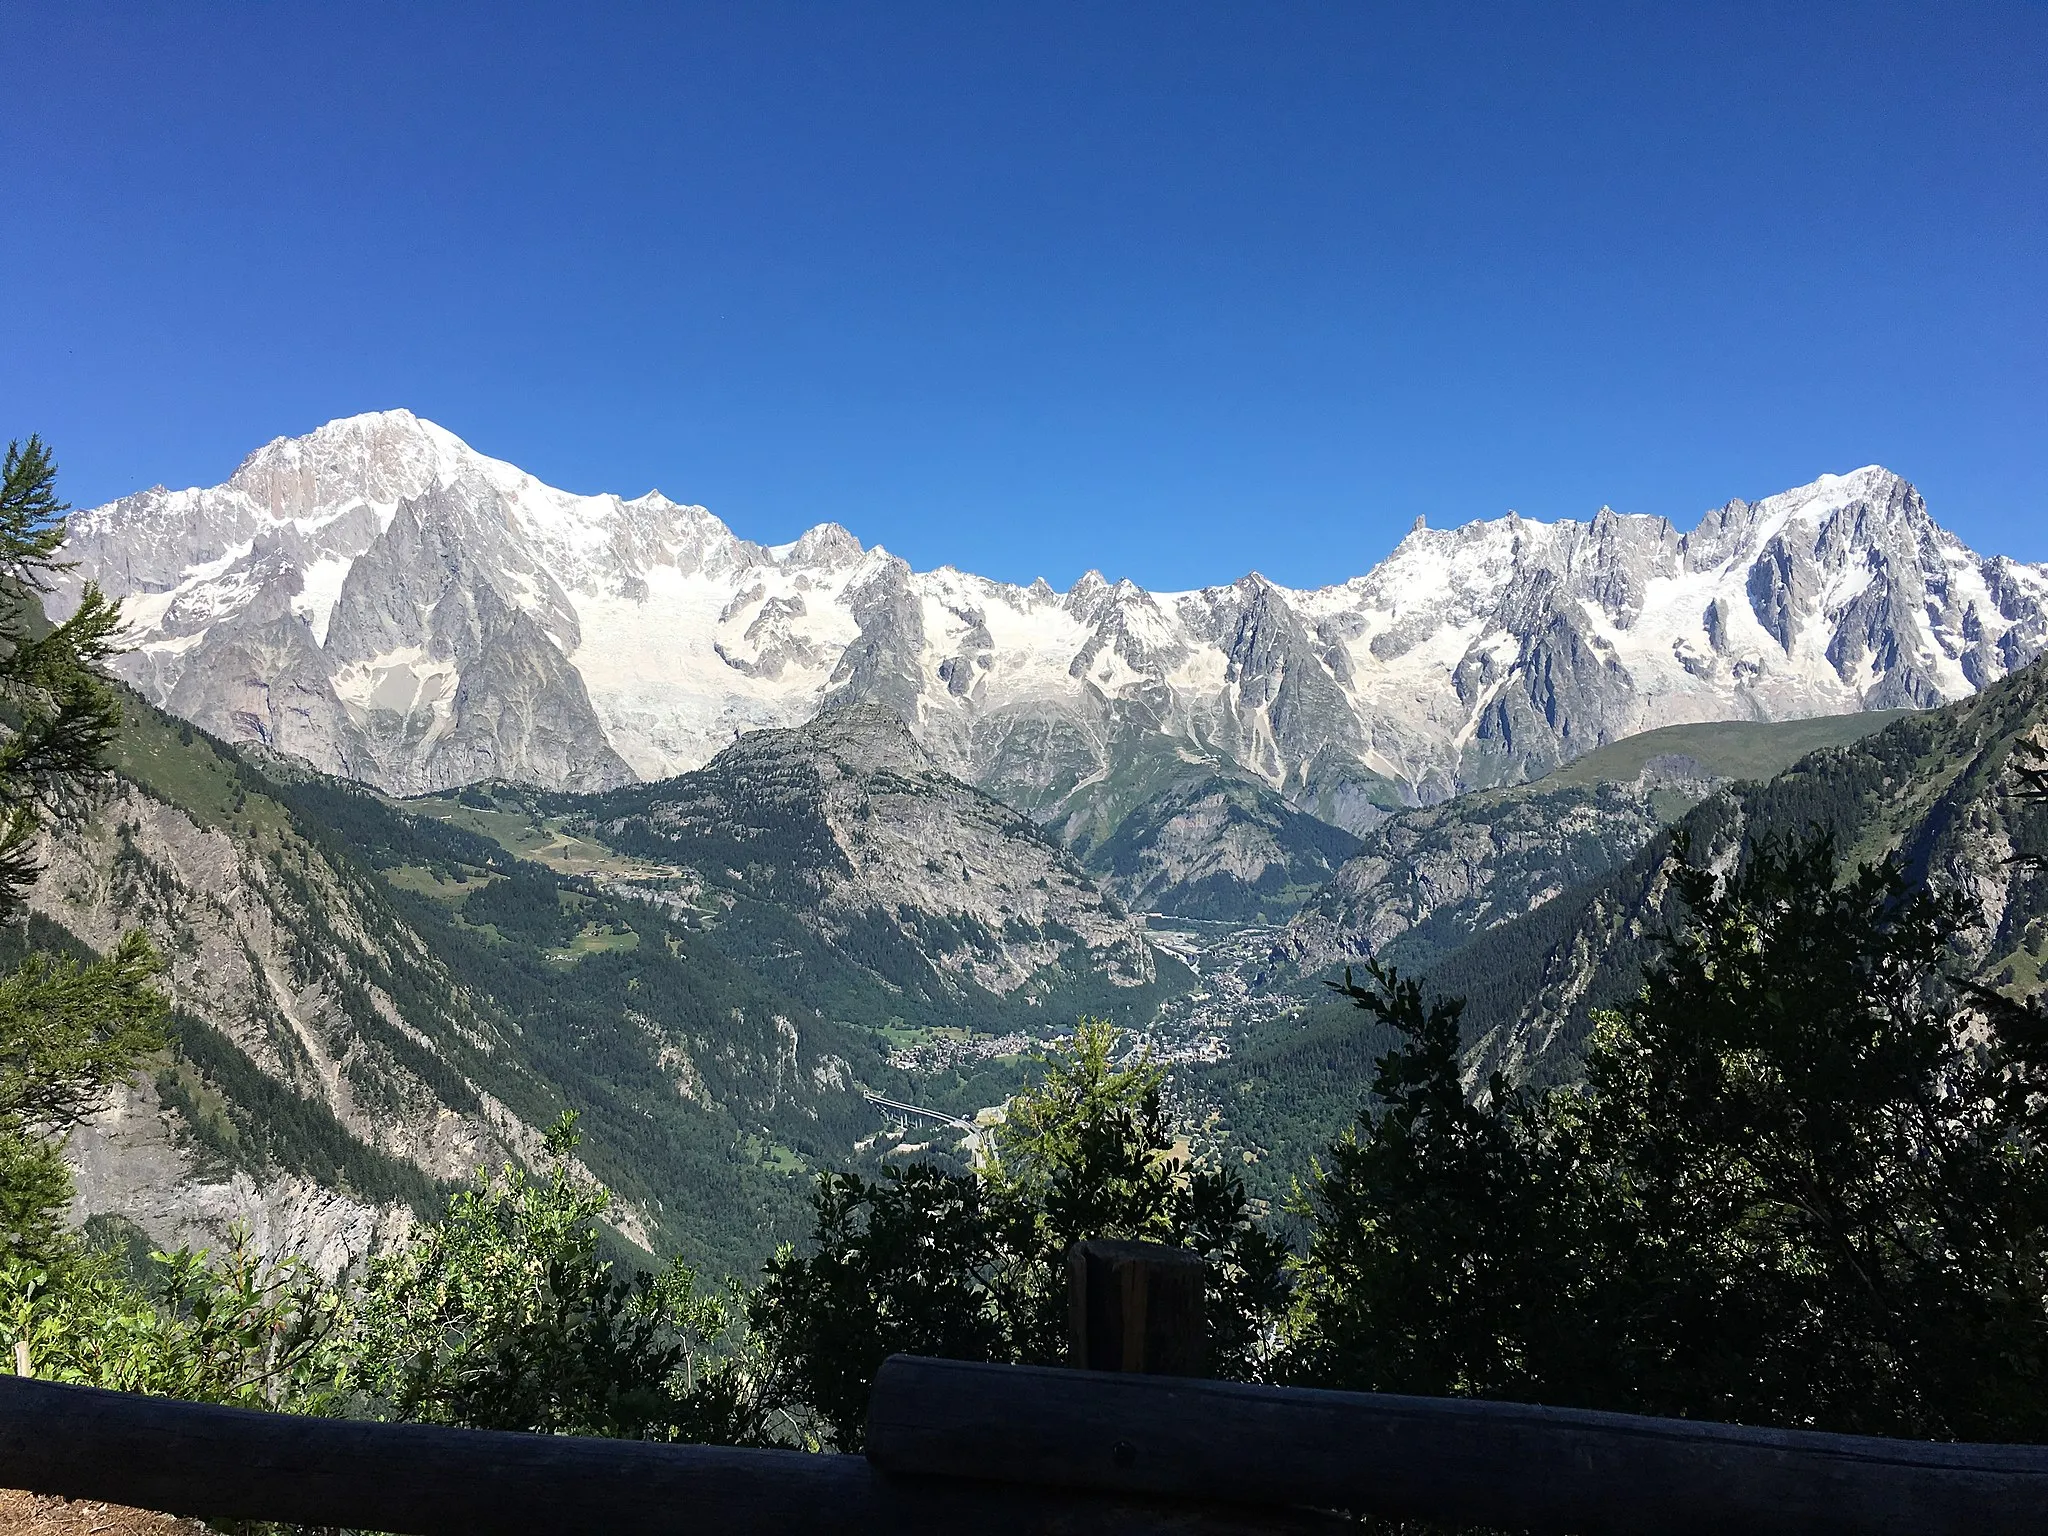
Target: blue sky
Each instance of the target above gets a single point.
(1173, 290)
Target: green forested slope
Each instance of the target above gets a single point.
(1425, 880)
(374, 995)
(388, 981)
(704, 1089)
(1934, 787)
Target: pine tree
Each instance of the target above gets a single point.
(68, 1031)
(57, 706)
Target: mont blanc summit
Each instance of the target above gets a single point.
(384, 602)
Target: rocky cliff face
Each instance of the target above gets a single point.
(136, 1160)
(921, 880)
(1938, 789)
(274, 950)
(388, 604)
(275, 960)
(1428, 879)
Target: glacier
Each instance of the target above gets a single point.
(381, 601)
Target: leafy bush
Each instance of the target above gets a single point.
(504, 1315)
(231, 1328)
(972, 1266)
(1804, 1182)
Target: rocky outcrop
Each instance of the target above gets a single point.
(271, 947)
(280, 961)
(1434, 877)
(1219, 850)
(1427, 880)
(133, 1160)
(264, 681)
(1940, 789)
(892, 864)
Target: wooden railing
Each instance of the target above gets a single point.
(231, 1464)
(993, 1450)
(1510, 1466)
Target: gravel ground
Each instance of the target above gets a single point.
(31, 1514)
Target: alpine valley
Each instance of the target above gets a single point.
(456, 800)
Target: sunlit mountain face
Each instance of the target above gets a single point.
(383, 602)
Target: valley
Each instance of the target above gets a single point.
(442, 840)
(714, 989)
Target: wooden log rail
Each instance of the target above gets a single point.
(1011, 1450)
(1506, 1465)
(230, 1464)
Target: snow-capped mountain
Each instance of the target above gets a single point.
(385, 602)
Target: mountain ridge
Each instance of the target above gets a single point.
(387, 603)
(1431, 877)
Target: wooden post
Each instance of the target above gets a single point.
(1136, 1307)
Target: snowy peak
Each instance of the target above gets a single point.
(386, 602)
(382, 457)
(1742, 527)
(827, 546)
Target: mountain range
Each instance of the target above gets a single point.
(384, 603)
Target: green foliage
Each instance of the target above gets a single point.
(71, 1028)
(59, 709)
(1429, 1223)
(921, 1261)
(35, 1189)
(1802, 1183)
(504, 1315)
(69, 1031)
(227, 1328)
(972, 1266)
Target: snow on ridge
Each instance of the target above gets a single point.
(684, 633)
